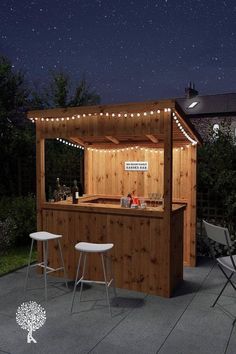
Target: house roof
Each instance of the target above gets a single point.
(210, 105)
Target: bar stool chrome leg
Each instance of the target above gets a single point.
(45, 262)
(82, 278)
(105, 279)
(112, 277)
(76, 282)
(62, 261)
(27, 272)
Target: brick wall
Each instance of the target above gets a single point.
(202, 125)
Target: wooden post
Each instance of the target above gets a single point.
(193, 169)
(82, 179)
(167, 195)
(86, 172)
(167, 164)
(40, 186)
(40, 177)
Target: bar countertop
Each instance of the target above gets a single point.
(110, 205)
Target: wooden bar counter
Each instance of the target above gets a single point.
(143, 257)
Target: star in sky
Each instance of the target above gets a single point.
(128, 51)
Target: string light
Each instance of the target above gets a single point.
(70, 144)
(131, 148)
(183, 131)
(101, 114)
(135, 149)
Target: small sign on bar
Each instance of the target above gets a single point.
(136, 165)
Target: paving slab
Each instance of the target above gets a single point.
(140, 323)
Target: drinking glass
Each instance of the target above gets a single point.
(153, 199)
(150, 198)
(157, 197)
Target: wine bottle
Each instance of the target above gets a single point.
(75, 193)
(56, 193)
(58, 186)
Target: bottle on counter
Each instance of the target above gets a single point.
(75, 193)
(58, 186)
(64, 192)
(57, 191)
(129, 196)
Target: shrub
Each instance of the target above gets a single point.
(7, 234)
(22, 211)
(217, 185)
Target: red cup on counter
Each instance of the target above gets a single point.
(136, 201)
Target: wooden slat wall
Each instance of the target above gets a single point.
(107, 177)
(138, 255)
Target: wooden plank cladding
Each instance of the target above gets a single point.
(140, 257)
(116, 108)
(86, 127)
(107, 176)
(104, 179)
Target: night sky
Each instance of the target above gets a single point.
(127, 50)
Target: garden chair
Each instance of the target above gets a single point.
(227, 263)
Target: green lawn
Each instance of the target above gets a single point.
(15, 258)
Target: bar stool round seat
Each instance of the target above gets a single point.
(44, 237)
(101, 248)
(93, 247)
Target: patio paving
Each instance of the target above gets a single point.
(140, 323)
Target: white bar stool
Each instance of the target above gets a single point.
(87, 247)
(44, 237)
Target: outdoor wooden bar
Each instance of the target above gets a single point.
(152, 244)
